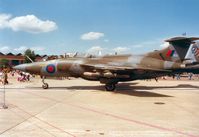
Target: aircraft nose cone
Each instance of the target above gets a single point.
(21, 67)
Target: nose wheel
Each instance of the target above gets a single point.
(110, 87)
(45, 85)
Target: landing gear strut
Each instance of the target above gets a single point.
(45, 85)
(110, 87)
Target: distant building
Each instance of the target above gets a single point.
(38, 58)
(45, 57)
(16, 59)
(13, 59)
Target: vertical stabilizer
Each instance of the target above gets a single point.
(193, 53)
(176, 51)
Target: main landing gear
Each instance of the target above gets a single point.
(110, 87)
(45, 85)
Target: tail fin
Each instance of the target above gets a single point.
(193, 54)
(176, 51)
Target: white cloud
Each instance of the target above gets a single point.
(21, 49)
(147, 44)
(103, 51)
(32, 24)
(37, 48)
(4, 49)
(28, 23)
(92, 35)
(164, 45)
(95, 49)
(120, 49)
(4, 20)
(137, 46)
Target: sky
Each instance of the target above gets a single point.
(123, 26)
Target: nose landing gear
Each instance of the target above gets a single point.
(45, 85)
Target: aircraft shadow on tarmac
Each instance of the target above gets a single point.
(126, 88)
(130, 91)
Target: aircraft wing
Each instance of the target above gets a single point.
(103, 67)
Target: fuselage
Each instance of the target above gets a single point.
(90, 68)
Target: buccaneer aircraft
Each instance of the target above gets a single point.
(110, 70)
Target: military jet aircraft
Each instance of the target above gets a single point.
(112, 69)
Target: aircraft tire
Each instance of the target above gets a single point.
(45, 86)
(110, 87)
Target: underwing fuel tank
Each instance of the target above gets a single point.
(96, 75)
(91, 75)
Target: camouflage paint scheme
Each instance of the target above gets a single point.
(116, 68)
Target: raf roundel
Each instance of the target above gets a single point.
(50, 68)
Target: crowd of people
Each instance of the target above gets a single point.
(21, 76)
(189, 76)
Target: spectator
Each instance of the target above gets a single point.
(190, 75)
(178, 76)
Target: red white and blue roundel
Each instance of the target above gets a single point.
(50, 68)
